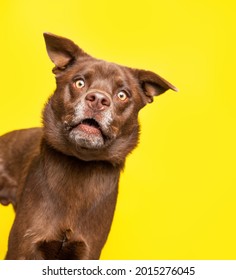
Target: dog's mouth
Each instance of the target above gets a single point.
(89, 126)
(89, 134)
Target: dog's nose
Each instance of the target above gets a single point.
(98, 101)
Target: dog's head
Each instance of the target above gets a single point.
(93, 113)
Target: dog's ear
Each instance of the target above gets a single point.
(62, 51)
(152, 84)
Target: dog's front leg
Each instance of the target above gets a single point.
(8, 188)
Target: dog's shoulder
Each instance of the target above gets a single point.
(21, 134)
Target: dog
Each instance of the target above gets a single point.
(62, 179)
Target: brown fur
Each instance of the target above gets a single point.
(62, 179)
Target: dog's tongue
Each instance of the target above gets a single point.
(89, 129)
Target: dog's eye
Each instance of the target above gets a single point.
(122, 95)
(80, 83)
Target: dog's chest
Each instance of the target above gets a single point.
(78, 186)
(78, 202)
(72, 206)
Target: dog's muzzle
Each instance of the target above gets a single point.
(90, 126)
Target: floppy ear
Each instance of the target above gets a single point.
(62, 51)
(152, 84)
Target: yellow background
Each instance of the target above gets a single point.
(177, 195)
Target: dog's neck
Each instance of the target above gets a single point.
(102, 180)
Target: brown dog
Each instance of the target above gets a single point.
(62, 179)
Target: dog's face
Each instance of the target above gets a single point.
(93, 113)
